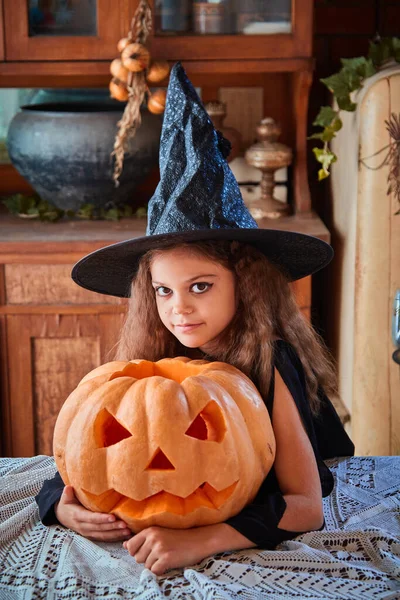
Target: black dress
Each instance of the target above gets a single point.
(258, 521)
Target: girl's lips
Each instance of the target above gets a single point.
(187, 328)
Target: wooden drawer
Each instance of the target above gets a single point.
(52, 284)
(48, 284)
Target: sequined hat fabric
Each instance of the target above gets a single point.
(197, 199)
(197, 189)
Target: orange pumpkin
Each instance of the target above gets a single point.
(176, 443)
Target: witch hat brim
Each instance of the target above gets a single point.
(111, 270)
(197, 198)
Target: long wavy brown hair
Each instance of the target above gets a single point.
(267, 309)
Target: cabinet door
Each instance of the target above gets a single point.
(47, 357)
(1, 31)
(63, 29)
(231, 29)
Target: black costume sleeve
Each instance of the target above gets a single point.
(259, 520)
(50, 493)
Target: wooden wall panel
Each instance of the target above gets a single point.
(110, 327)
(58, 366)
(48, 284)
(48, 355)
(2, 38)
(4, 404)
(245, 109)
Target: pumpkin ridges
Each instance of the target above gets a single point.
(106, 369)
(250, 403)
(90, 399)
(163, 406)
(248, 471)
(68, 411)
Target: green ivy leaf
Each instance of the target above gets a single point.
(396, 49)
(325, 116)
(322, 174)
(141, 212)
(326, 157)
(12, 204)
(345, 103)
(343, 83)
(127, 211)
(112, 214)
(380, 51)
(327, 134)
(316, 136)
(363, 67)
(85, 211)
(33, 210)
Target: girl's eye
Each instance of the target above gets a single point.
(202, 287)
(162, 291)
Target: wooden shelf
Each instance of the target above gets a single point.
(35, 241)
(97, 73)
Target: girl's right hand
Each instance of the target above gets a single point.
(97, 526)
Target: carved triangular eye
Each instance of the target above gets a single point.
(108, 431)
(209, 424)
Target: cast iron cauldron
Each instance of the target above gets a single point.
(63, 150)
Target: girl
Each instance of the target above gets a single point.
(206, 283)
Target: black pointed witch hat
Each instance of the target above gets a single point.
(197, 199)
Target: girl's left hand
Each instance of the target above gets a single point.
(160, 548)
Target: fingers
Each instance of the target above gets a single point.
(145, 552)
(68, 495)
(135, 543)
(97, 529)
(158, 568)
(107, 536)
(93, 525)
(96, 518)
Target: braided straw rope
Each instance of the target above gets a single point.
(137, 87)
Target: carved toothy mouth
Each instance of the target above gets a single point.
(204, 495)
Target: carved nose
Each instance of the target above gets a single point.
(160, 462)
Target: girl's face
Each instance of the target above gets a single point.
(195, 296)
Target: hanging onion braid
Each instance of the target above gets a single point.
(137, 88)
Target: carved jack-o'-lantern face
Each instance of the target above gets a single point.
(176, 443)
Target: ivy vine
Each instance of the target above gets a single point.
(349, 79)
(34, 207)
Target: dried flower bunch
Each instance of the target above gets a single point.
(132, 73)
(393, 157)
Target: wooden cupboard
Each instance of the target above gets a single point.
(280, 63)
(111, 19)
(22, 45)
(52, 332)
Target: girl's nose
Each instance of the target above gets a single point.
(181, 307)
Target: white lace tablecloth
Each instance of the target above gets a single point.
(356, 556)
